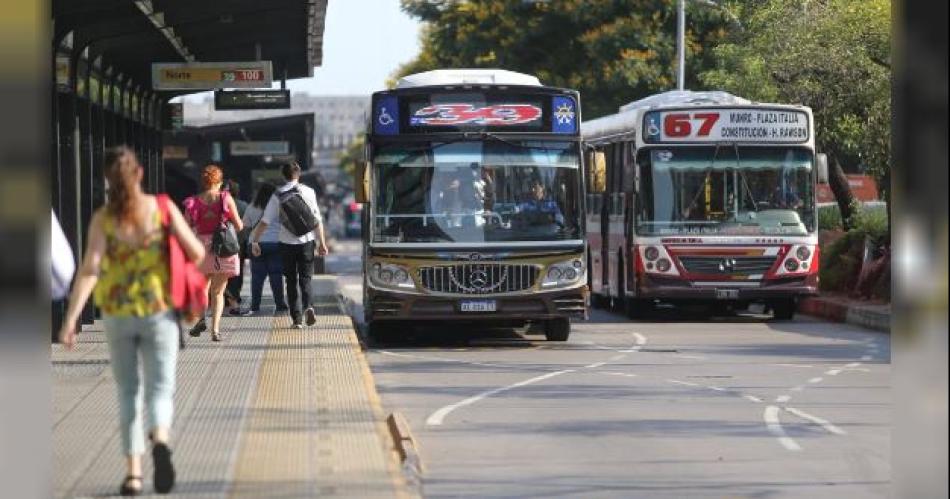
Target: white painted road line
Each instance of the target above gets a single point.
(752, 398)
(815, 419)
(816, 380)
(684, 383)
(781, 399)
(833, 372)
(853, 365)
(770, 415)
(640, 339)
(437, 417)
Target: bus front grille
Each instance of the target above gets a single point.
(732, 266)
(478, 278)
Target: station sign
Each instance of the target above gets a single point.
(251, 99)
(260, 148)
(782, 126)
(211, 75)
(174, 116)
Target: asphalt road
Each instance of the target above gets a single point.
(684, 405)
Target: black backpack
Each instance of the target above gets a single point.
(295, 213)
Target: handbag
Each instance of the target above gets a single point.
(224, 241)
(187, 283)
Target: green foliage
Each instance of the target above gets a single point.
(612, 51)
(841, 259)
(831, 55)
(353, 155)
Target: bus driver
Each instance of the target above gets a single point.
(539, 210)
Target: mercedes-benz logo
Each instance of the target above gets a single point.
(727, 265)
(475, 257)
(478, 278)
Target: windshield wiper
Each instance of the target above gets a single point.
(498, 138)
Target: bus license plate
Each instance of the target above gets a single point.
(727, 294)
(478, 306)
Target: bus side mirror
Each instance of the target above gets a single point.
(361, 182)
(821, 163)
(597, 171)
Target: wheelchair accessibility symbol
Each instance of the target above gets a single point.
(384, 117)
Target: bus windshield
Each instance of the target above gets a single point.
(726, 190)
(476, 192)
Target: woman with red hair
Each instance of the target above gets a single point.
(206, 212)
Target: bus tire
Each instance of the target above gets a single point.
(637, 308)
(380, 332)
(783, 310)
(557, 329)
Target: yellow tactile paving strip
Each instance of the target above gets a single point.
(314, 426)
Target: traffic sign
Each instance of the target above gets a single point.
(211, 75)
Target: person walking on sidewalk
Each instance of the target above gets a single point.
(126, 266)
(207, 211)
(269, 265)
(301, 226)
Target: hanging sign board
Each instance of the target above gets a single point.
(211, 75)
(251, 99)
(260, 148)
(174, 118)
(694, 125)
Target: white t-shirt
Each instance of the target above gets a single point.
(272, 213)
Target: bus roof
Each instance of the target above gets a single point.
(467, 77)
(630, 115)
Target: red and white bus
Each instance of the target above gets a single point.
(709, 197)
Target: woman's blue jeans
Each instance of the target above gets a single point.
(267, 266)
(154, 338)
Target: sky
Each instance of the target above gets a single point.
(364, 41)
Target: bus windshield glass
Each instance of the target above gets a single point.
(726, 190)
(476, 192)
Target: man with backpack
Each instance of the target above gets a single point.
(301, 239)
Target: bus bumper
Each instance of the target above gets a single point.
(569, 303)
(680, 290)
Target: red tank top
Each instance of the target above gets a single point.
(206, 218)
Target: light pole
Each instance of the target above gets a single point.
(681, 37)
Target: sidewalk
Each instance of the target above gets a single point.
(840, 308)
(269, 412)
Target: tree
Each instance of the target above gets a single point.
(831, 55)
(612, 51)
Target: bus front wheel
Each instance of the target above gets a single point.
(557, 329)
(783, 310)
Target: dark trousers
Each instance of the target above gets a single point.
(298, 270)
(236, 283)
(270, 266)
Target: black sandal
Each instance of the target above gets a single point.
(215, 336)
(164, 478)
(200, 326)
(127, 490)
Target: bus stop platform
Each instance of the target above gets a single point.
(268, 412)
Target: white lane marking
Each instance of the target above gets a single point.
(640, 339)
(717, 388)
(630, 350)
(770, 415)
(443, 359)
(595, 365)
(617, 357)
(815, 419)
(833, 372)
(437, 417)
(798, 388)
(685, 383)
(695, 357)
(781, 399)
(853, 365)
(816, 380)
(752, 398)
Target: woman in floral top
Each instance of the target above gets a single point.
(126, 265)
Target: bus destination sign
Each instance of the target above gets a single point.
(251, 99)
(726, 125)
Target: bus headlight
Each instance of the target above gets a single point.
(663, 265)
(803, 253)
(391, 276)
(651, 253)
(564, 274)
(791, 265)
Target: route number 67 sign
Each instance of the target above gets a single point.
(727, 125)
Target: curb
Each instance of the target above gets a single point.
(857, 315)
(405, 444)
